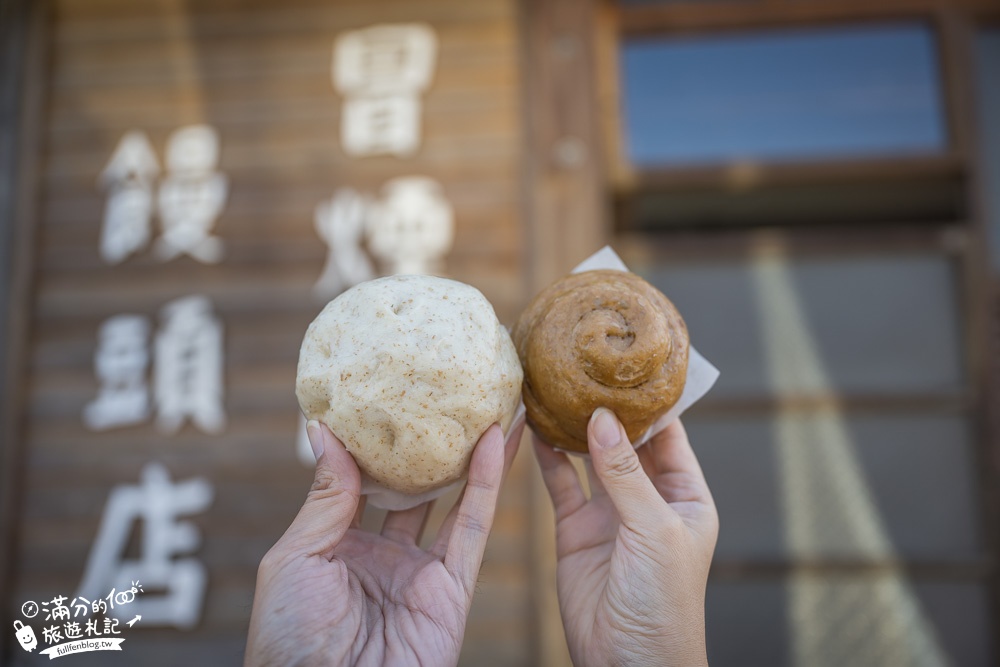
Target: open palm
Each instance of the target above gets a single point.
(329, 593)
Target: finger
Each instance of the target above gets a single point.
(513, 442)
(407, 526)
(596, 488)
(645, 453)
(332, 501)
(471, 529)
(617, 466)
(440, 546)
(561, 480)
(359, 514)
(672, 450)
(676, 461)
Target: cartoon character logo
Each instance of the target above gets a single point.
(25, 636)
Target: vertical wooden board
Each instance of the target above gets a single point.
(23, 60)
(566, 214)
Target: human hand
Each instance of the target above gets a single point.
(633, 560)
(329, 593)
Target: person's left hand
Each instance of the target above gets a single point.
(329, 593)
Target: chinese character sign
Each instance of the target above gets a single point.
(409, 229)
(164, 562)
(121, 362)
(412, 226)
(187, 370)
(188, 380)
(190, 197)
(381, 71)
(340, 222)
(128, 178)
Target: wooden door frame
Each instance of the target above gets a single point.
(565, 215)
(24, 28)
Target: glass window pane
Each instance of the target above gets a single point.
(988, 69)
(863, 325)
(876, 619)
(824, 486)
(793, 94)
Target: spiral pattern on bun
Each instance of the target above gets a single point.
(599, 339)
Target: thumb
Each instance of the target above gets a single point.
(329, 508)
(617, 465)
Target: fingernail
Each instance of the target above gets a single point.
(605, 427)
(316, 438)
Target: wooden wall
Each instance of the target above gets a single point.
(259, 72)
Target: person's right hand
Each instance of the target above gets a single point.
(633, 560)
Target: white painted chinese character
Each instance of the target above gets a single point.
(385, 125)
(188, 378)
(128, 178)
(385, 59)
(191, 195)
(381, 71)
(121, 361)
(340, 222)
(162, 564)
(412, 227)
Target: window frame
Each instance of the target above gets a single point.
(948, 21)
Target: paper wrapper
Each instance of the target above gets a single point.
(701, 375)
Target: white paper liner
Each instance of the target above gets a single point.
(701, 375)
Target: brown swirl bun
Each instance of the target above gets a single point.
(599, 339)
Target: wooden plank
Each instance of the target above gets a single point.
(711, 17)
(481, 44)
(749, 175)
(24, 32)
(889, 240)
(106, 23)
(483, 184)
(609, 94)
(945, 403)
(71, 232)
(980, 296)
(437, 153)
(565, 213)
(975, 570)
(254, 120)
